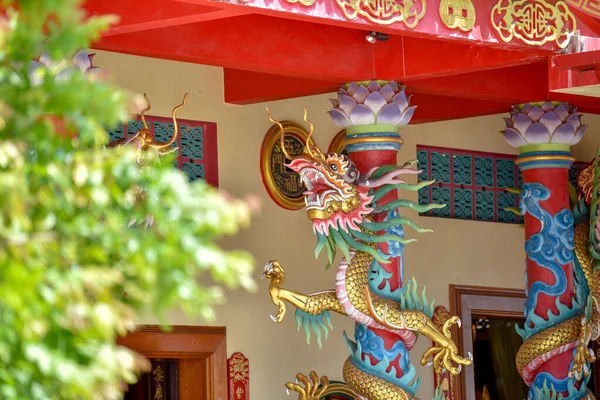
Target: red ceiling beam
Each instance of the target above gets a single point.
(171, 22)
(574, 70)
(506, 85)
(592, 23)
(431, 108)
(132, 12)
(330, 12)
(244, 87)
(518, 84)
(156, 14)
(310, 51)
(426, 58)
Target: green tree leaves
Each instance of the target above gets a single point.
(88, 239)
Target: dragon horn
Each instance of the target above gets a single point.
(175, 127)
(144, 111)
(319, 154)
(285, 153)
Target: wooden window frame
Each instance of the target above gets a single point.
(207, 344)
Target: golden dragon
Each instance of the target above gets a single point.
(347, 210)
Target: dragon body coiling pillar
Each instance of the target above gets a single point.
(372, 114)
(554, 357)
(354, 205)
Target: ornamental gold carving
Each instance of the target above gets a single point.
(385, 12)
(306, 3)
(591, 7)
(458, 14)
(535, 22)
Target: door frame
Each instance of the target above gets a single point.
(476, 301)
(207, 344)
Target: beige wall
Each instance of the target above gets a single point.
(461, 252)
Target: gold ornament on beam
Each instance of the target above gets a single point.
(385, 12)
(534, 22)
(458, 14)
(306, 3)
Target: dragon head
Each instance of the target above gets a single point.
(342, 203)
(333, 197)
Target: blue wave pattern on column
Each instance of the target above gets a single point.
(367, 342)
(547, 387)
(378, 276)
(550, 248)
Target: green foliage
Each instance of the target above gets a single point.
(78, 261)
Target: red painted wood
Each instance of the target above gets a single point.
(310, 51)
(431, 108)
(572, 71)
(321, 48)
(175, 21)
(136, 12)
(465, 94)
(511, 85)
(245, 87)
(430, 58)
(516, 84)
(211, 154)
(330, 13)
(298, 49)
(592, 23)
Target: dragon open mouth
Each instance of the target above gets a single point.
(318, 188)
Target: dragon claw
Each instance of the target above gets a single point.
(444, 353)
(273, 318)
(309, 389)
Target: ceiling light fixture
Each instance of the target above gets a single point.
(373, 37)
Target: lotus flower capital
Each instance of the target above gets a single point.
(81, 61)
(371, 103)
(544, 123)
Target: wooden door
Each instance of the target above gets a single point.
(201, 352)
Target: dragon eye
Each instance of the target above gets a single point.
(333, 167)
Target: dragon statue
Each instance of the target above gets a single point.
(356, 213)
(144, 138)
(562, 314)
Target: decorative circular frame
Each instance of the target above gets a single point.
(337, 143)
(270, 145)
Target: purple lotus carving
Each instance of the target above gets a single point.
(360, 104)
(548, 122)
(81, 61)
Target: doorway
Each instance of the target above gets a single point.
(188, 363)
